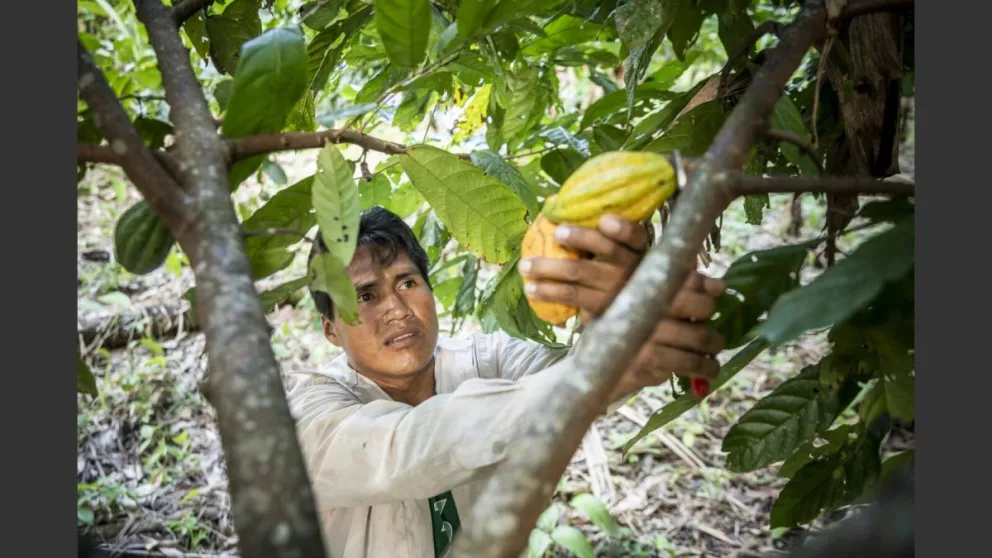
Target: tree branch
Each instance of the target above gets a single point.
(863, 7)
(749, 185)
(271, 500)
(142, 168)
(185, 10)
(804, 146)
(505, 513)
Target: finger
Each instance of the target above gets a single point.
(570, 294)
(596, 243)
(661, 362)
(632, 235)
(589, 273)
(699, 338)
(713, 287)
(690, 305)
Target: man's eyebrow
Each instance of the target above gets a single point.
(365, 285)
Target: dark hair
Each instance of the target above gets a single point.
(383, 229)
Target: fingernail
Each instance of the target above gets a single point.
(530, 288)
(610, 224)
(524, 266)
(562, 232)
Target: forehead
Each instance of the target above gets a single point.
(373, 260)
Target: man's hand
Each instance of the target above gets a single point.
(681, 343)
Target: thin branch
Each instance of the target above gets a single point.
(518, 492)
(864, 7)
(92, 153)
(185, 9)
(142, 168)
(804, 146)
(272, 502)
(848, 185)
(760, 31)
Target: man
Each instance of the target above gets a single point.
(401, 430)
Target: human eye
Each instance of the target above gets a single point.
(365, 296)
(408, 284)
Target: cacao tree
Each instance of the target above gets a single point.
(450, 114)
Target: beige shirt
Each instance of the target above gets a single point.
(374, 462)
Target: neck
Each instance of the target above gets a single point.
(413, 389)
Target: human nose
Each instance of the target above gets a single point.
(396, 308)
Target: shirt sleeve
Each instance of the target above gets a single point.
(364, 454)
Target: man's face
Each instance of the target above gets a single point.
(398, 329)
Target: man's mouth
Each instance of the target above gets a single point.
(402, 340)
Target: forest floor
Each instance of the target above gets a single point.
(150, 474)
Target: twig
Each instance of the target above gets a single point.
(744, 185)
(804, 146)
(272, 502)
(760, 31)
(507, 508)
(158, 188)
(185, 9)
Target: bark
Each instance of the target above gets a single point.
(271, 500)
(509, 505)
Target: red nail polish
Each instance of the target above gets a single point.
(700, 387)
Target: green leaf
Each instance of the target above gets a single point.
(609, 138)
(734, 29)
(503, 305)
(827, 483)
(891, 211)
(596, 511)
(85, 382)
(759, 278)
(565, 31)
(560, 136)
(230, 30)
(895, 464)
(412, 109)
(433, 235)
(375, 191)
(494, 165)
(327, 274)
(897, 368)
(274, 172)
(196, 30)
(152, 131)
(303, 116)
(325, 48)
(384, 78)
(290, 209)
(318, 14)
(517, 94)
(404, 26)
(470, 16)
(222, 92)
(446, 291)
(833, 440)
(574, 540)
(693, 132)
(548, 519)
(683, 403)
(405, 201)
(271, 78)
(843, 289)
(142, 240)
(754, 206)
(538, 544)
(559, 164)
(472, 69)
(85, 514)
(275, 296)
(791, 415)
(482, 213)
(335, 199)
(660, 120)
(787, 117)
(329, 119)
(611, 108)
(465, 299)
(685, 28)
(639, 20)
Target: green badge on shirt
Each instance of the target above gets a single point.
(444, 518)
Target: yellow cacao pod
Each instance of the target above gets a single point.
(539, 242)
(632, 184)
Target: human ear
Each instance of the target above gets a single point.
(329, 331)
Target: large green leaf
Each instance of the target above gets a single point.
(405, 200)
(230, 30)
(574, 540)
(277, 295)
(290, 211)
(597, 512)
(482, 213)
(85, 382)
(270, 80)
(470, 16)
(787, 117)
(684, 402)
(758, 278)
(791, 415)
(196, 30)
(565, 31)
(502, 305)
(639, 20)
(465, 299)
(404, 26)
(734, 29)
(317, 14)
(843, 289)
(685, 27)
(897, 368)
(517, 94)
(495, 166)
(693, 132)
(833, 440)
(827, 482)
(375, 191)
(325, 48)
(335, 199)
(142, 240)
(611, 108)
(327, 274)
(659, 121)
(560, 163)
